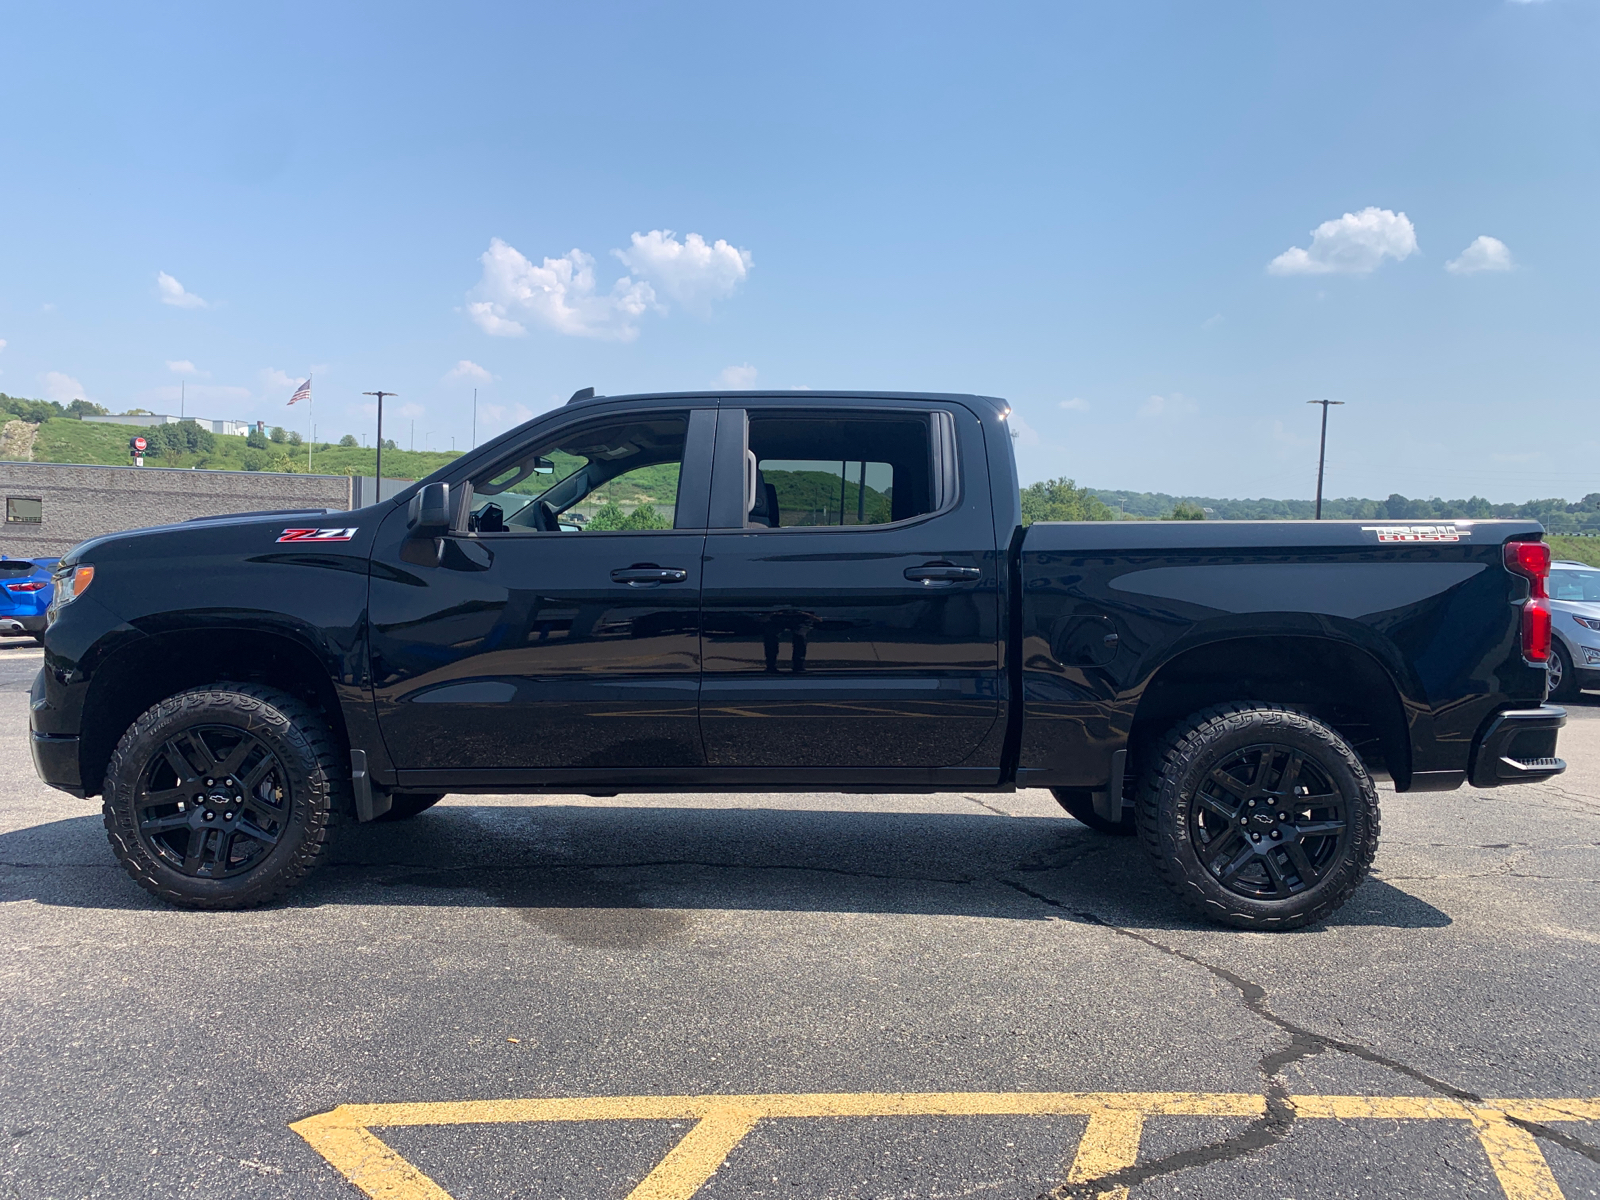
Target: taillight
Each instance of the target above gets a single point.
(1531, 560)
(32, 585)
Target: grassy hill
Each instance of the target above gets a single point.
(67, 440)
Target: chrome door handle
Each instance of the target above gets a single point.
(648, 575)
(940, 572)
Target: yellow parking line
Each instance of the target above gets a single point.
(1110, 1142)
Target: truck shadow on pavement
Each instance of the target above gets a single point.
(631, 876)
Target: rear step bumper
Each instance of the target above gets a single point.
(1518, 746)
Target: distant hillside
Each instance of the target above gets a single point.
(68, 440)
(1559, 516)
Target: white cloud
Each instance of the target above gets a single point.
(1212, 321)
(172, 293)
(1076, 404)
(182, 366)
(1485, 254)
(559, 295)
(63, 389)
(742, 376)
(1355, 244)
(2, 343)
(412, 410)
(1025, 434)
(1160, 408)
(691, 272)
(469, 370)
(272, 378)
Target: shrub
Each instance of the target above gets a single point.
(348, 441)
(1061, 500)
(256, 440)
(278, 435)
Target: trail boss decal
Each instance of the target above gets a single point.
(318, 535)
(1418, 533)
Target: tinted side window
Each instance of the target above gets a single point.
(819, 470)
(1575, 585)
(616, 475)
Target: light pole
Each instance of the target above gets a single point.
(377, 486)
(1322, 454)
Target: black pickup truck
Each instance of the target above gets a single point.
(795, 591)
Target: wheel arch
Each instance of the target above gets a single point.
(1342, 685)
(145, 671)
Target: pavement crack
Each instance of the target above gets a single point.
(1274, 1125)
(999, 812)
(1539, 1130)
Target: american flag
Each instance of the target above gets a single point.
(303, 392)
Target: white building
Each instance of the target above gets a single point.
(232, 428)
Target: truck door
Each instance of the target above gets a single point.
(560, 627)
(851, 589)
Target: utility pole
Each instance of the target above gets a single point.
(1322, 454)
(378, 469)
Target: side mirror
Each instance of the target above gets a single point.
(544, 466)
(429, 513)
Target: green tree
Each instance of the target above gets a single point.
(644, 517)
(278, 434)
(1061, 500)
(256, 440)
(1183, 510)
(295, 439)
(86, 408)
(610, 516)
(348, 441)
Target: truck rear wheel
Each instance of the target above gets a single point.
(1079, 803)
(224, 796)
(1258, 816)
(403, 808)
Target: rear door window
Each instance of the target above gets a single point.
(816, 470)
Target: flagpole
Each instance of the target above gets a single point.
(311, 429)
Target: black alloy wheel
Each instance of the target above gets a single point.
(212, 802)
(1259, 816)
(224, 797)
(1267, 822)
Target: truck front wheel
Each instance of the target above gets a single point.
(1258, 816)
(224, 796)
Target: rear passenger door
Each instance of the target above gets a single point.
(850, 590)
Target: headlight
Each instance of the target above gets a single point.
(72, 584)
(1588, 622)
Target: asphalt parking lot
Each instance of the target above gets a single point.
(800, 996)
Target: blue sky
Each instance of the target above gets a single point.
(1103, 212)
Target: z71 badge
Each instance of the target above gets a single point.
(1418, 533)
(318, 535)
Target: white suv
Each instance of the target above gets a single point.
(1575, 621)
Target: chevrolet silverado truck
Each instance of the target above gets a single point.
(787, 592)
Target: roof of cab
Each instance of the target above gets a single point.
(800, 396)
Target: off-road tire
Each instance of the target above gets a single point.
(1079, 803)
(318, 792)
(1184, 760)
(403, 807)
(1564, 677)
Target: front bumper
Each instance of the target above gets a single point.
(56, 761)
(1518, 746)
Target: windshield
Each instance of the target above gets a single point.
(1582, 586)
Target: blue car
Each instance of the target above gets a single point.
(25, 594)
